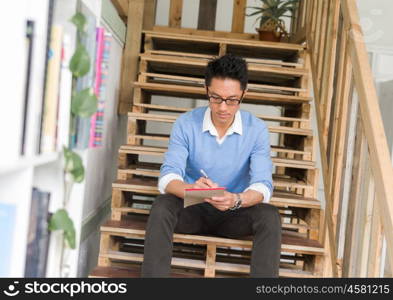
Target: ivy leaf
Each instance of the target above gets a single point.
(79, 21)
(80, 62)
(74, 165)
(84, 103)
(61, 221)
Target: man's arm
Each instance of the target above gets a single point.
(177, 187)
(261, 167)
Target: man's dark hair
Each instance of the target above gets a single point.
(227, 66)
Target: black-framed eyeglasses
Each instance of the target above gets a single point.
(228, 101)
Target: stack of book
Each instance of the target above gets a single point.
(88, 132)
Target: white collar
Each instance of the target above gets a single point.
(209, 126)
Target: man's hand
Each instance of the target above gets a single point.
(223, 203)
(204, 183)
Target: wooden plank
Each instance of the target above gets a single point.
(209, 57)
(140, 184)
(375, 253)
(172, 119)
(273, 99)
(149, 149)
(207, 14)
(374, 129)
(369, 194)
(340, 125)
(201, 82)
(149, 15)
(323, 52)
(297, 72)
(351, 239)
(209, 33)
(328, 221)
(238, 15)
(210, 270)
(180, 109)
(175, 13)
(329, 63)
(229, 41)
(131, 54)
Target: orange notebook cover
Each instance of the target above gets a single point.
(195, 196)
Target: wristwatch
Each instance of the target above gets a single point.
(238, 203)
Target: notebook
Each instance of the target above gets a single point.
(195, 196)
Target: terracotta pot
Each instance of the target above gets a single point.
(269, 36)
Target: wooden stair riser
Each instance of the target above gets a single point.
(195, 68)
(134, 129)
(132, 156)
(214, 258)
(192, 92)
(219, 46)
(298, 217)
(199, 82)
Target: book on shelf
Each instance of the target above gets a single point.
(7, 233)
(51, 99)
(80, 136)
(29, 60)
(49, 22)
(102, 67)
(38, 235)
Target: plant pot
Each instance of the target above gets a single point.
(270, 36)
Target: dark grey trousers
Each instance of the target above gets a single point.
(168, 215)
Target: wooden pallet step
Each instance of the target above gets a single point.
(134, 226)
(150, 183)
(229, 41)
(189, 68)
(194, 265)
(261, 61)
(134, 271)
(202, 44)
(198, 62)
(273, 148)
(155, 107)
(160, 151)
(172, 119)
(145, 211)
(200, 93)
(135, 168)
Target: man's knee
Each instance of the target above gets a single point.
(266, 216)
(165, 206)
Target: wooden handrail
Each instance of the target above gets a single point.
(340, 71)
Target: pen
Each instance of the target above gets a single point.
(204, 173)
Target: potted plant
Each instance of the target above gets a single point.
(272, 14)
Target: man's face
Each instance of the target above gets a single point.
(223, 114)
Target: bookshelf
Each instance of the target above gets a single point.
(20, 173)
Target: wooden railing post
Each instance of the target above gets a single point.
(175, 13)
(371, 116)
(239, 15)
(131, 54)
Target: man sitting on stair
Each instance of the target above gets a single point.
(233, 147)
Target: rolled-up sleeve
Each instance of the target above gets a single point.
(261, 166)
(175, 158)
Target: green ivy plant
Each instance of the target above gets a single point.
(83, 104)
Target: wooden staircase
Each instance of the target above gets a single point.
(172, 64)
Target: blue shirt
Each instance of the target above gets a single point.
(241, 161)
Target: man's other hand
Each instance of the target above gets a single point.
(223, 203)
